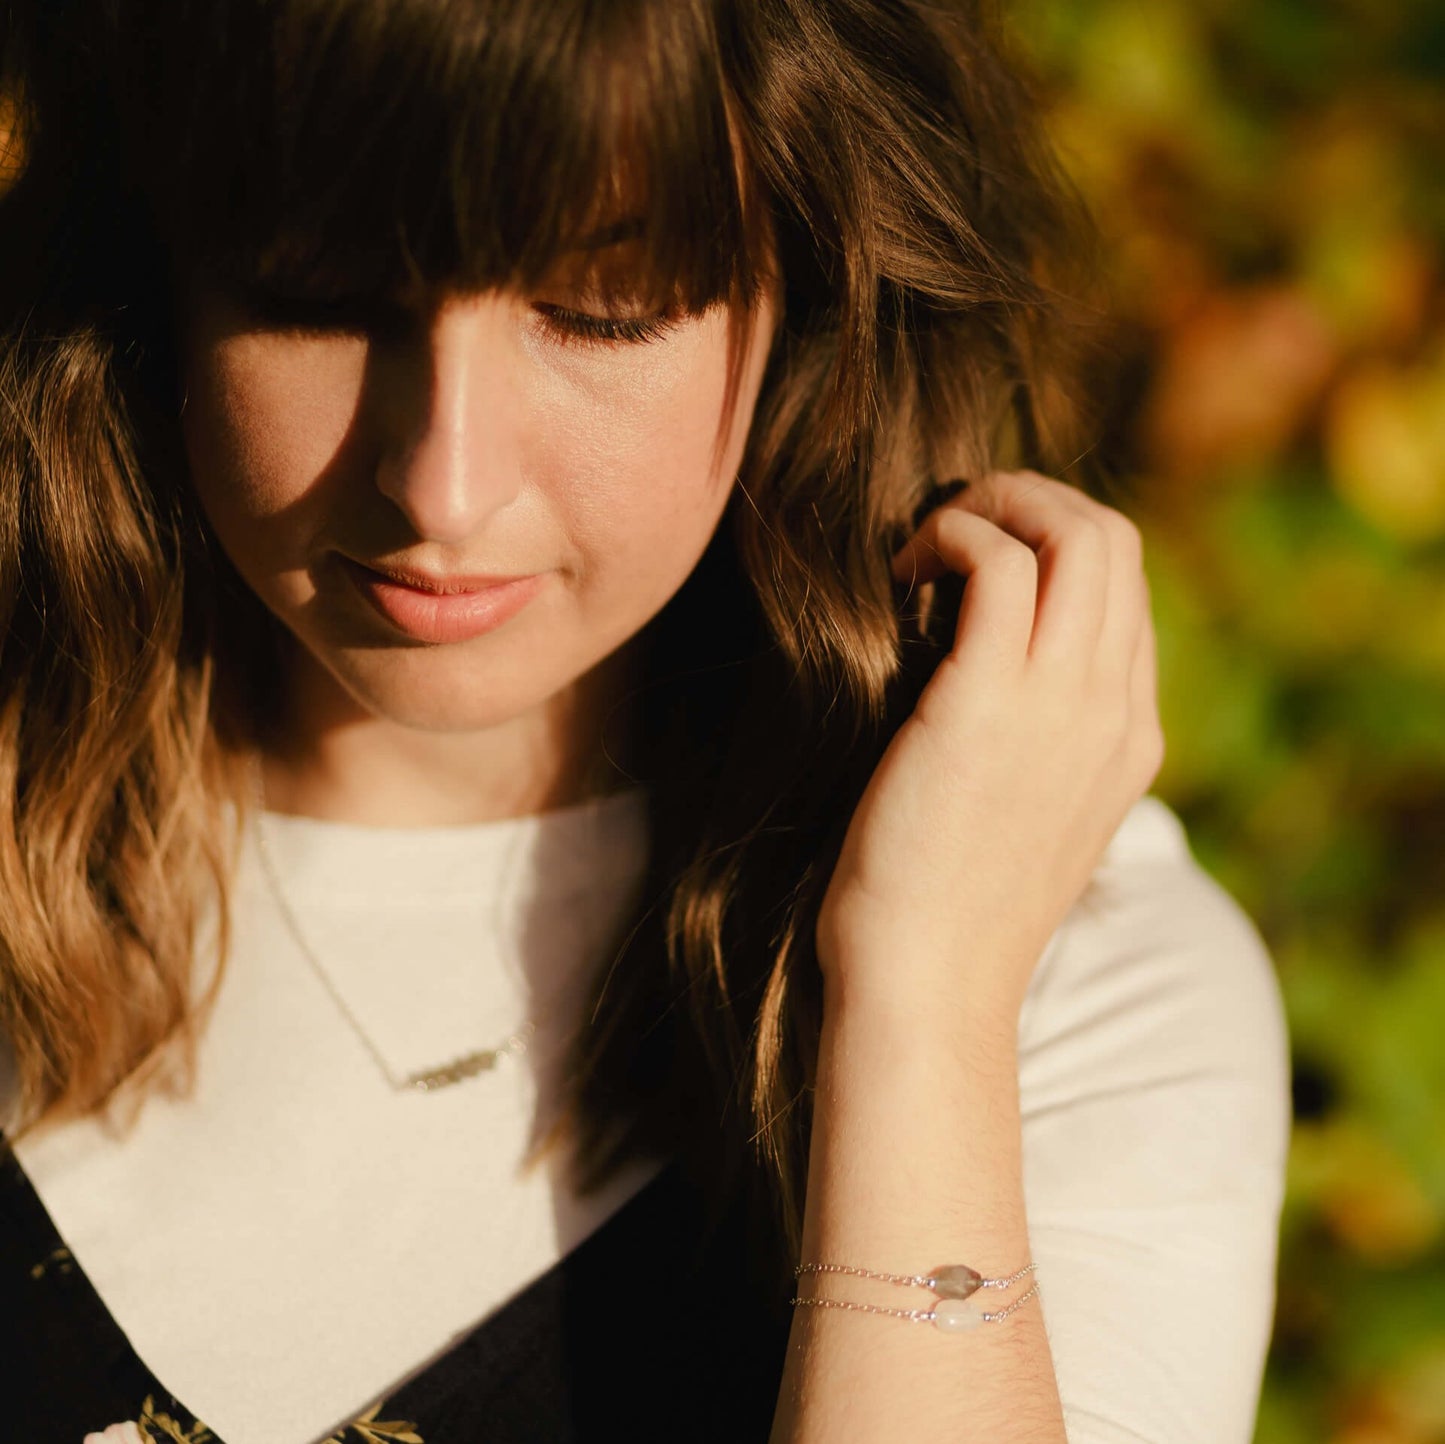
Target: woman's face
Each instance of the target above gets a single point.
(371, 478)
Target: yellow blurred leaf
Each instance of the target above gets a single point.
(1362, 1191)
(1373, 284)
(1418, 1390)
(1405, 1407)
(1144, 61)
(1385, 439)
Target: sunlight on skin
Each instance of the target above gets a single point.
(480, 438)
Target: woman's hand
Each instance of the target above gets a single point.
(1040, 729)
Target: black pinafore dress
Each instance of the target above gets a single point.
(650, 1329)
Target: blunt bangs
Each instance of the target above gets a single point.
(355, 147)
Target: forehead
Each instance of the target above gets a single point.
(364, 143)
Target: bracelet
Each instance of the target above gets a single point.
(953, 1286)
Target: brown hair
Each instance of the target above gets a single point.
(895, 180)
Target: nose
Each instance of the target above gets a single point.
(449, 456)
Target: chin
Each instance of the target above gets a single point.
(425, 690)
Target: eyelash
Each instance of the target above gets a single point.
(569, 325)
(297, 315)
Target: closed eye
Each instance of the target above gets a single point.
(566, 324)
(279, 311)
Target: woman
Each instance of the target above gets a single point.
(536, 903)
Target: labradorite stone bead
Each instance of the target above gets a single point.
(957, 1281)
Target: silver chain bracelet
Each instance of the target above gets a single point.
(953, 1285)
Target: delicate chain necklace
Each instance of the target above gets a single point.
(425, 1080)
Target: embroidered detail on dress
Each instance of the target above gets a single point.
(152, 1428)
(160, 1428)
(371, 1430)
(60, 1260)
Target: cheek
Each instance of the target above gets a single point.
(637, 441)
(264, 418)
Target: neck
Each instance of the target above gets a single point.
(332, 764)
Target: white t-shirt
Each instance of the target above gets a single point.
(343, 1234)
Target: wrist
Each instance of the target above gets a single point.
(908, 1083)
(911, 1123)
(968, 1021)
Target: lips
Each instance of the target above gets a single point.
(426, 607)
(442, 586)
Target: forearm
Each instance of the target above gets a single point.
(915, 1162)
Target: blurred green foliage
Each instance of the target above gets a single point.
(1268, 177)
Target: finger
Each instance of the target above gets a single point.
(996, 616)
(1143, 675)
(1126, 603)
(1062, 527)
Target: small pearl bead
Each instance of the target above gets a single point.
(955, 1316)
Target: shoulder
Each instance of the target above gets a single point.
(1157, 970)
(1154, 1087)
